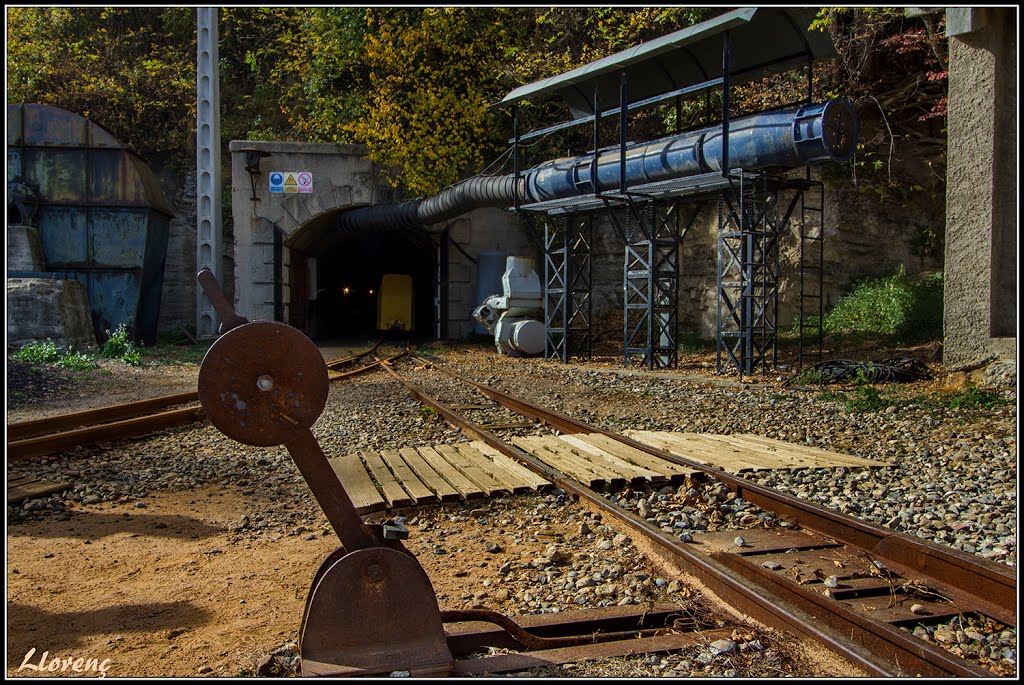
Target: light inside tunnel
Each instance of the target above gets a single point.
(350, 272)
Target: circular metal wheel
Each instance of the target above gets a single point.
(263, 383)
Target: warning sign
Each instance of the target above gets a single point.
(291, 181)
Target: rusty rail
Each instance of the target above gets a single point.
(989, 586)
(873, 646)
(52, 436)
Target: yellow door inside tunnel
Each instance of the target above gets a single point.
(395, 303)
(373, 284)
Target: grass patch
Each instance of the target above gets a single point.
(428, 413)
(970, 397)
(896, 306)
(47, 352)
(119, 346)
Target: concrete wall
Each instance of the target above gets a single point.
(981, 196)
(342, 178)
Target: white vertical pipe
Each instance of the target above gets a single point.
(209, 241)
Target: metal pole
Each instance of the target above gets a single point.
(623, 99)
(515, 156)
(209, 240)
(726, 66)
(597, 138)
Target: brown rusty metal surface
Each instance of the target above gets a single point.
(60, 442)
(507, 663)
(92, 417)
(472, 636)
(989, 586)
(532, 641)
(373, 611)
(263, 383)
(914, 656)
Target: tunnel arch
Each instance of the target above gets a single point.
(338, 280)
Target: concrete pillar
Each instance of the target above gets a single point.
(981, 193)
(209, 239)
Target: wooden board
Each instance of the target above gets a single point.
(441, 488)
(828, 457)
(483, 461)
(465, 487)
(739, 453)
(674, 472)
(357, 484)
(394, 494)
(721, 453)
(473, 470)
(525, 475)
(28, 487)
(413, 485)
(706, 452)
(635, 475)
(574, 466)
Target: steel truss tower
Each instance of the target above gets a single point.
(568, 277)
(650, 284)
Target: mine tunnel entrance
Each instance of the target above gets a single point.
(374, 285)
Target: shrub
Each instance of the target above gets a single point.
(118, 346)
(891, 306)
(77, 361)
(38, 353)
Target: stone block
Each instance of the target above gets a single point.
(24, 249)
(41, 308)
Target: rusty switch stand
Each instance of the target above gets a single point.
(371, 608)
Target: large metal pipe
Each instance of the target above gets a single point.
(784, 139)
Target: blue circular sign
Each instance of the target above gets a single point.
(276, 178)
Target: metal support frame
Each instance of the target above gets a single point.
(650, 282)
(748, 275)
(568, 278)
(812, 267)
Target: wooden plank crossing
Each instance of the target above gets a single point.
(415, 476)
(740, 453)
(20, 488)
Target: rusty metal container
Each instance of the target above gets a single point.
(102, 217)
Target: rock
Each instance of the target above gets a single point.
(723, 647)
(771, 565)
(206, 669)
(493, 548)
(583, 529)
(832, 582)
(620, 540)
(918, 609)
(559, 556)
(739, 541)
(266, 666)
(673, 587)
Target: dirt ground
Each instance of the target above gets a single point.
(165, 586)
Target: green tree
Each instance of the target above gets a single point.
(130, 69)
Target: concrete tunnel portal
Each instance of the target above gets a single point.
(362, 285)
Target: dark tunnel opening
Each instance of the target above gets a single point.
(351, 273)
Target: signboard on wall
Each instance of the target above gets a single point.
(291, 181)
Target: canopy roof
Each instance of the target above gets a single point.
(763, 40)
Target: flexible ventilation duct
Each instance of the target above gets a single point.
(786, 139)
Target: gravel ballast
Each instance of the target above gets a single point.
(951, 480)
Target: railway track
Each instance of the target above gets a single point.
(855, 588)
(52, 435)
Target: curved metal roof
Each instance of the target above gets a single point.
(764, 40)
